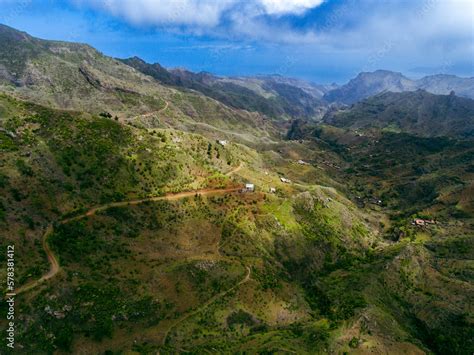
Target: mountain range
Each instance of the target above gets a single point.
(157, 210)
(28, 64)
(273, 96)
(368, 84)
(416, 112)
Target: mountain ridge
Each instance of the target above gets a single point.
(276, 98)
(26, 63)
(372, 83)
(416, 112)
(350, 235)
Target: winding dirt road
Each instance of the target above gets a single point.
(149, 114)
(236, 169)
(204, 305)
(54, 268)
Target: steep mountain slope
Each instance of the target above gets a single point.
(154, 70)
(126, 266)
(71, 76)
(424, 187)
(444, 84)
(303, 269)
(418, 112)
(315, 90)
(369, 84)
(272, 95)
(77, 77)
(352, 240)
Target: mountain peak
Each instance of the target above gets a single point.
(136, 58)
(370, 83)
(12, 37)
(367, 84)
(16, 34)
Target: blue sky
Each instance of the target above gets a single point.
(320, 40)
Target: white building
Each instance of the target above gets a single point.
(222, 142)
(285, 180)
(249, 187)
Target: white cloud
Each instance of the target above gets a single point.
(206, 13)
(437, 33)
(282, 7)
(438, 27)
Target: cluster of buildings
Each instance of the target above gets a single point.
(251, 188)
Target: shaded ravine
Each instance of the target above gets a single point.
(55, 267)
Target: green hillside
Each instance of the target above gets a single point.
(124, 193)
(419, 113)
(77, 77)
(266, 95)
(58, 165)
